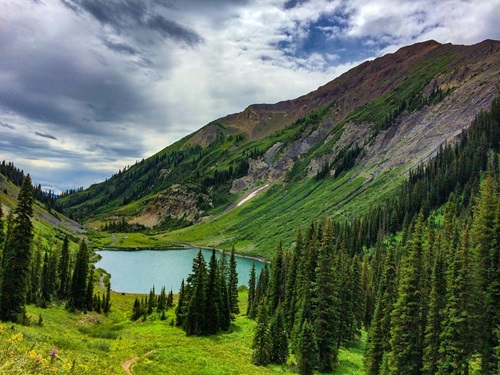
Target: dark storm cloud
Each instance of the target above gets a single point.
(119, 47)
(43, 135)
(6, 125)
(133, 16)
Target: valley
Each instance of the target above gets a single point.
(374, 202)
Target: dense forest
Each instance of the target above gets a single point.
(420, 273)
(33, 273)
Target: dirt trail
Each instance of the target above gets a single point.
(129, 362)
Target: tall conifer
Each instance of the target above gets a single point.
(232, 286)
(64, 270)
(79, 280)
(17, 258)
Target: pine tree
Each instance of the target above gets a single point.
(136, 311)
(64, 270)
(377, 345)
(261, 345)
(278, 335)
(2, 238)
(251, 293)
(170, 299)
(224, 312)
(35, 274)
(17, 258)
(180, 310)
(212, 298)
(406, 319)
(89, 299)
(46, 288)
(326, 302)
(106, 306)
(307, 350)
(194, 321)
(276, 293)
(232, 286)
(162, 301)
(485, 234)
(437, 304)
(79, 280)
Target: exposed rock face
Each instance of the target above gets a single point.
(176, 202)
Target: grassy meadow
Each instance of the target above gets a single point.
(97, 344)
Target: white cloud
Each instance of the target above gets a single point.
(101, 95)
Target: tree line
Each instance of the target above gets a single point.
(32, 273)
(208, 300)
(424, 280)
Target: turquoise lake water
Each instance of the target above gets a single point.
(138, 271)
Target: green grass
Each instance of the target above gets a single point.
(98, 344)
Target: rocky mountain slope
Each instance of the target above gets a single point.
(333, 151)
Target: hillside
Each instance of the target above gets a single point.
(334, 151)
(50, 225)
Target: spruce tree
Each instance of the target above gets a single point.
(326, 302)
(79, 280)
(162, 301)
(232, 286)
(406, 319)
(89, 299)
(17, 258)
(276, 293)
(279, 341)
(64, 270)
(437, 304)
(194, 322)
(224, 311)
(35, 274)
(377, 345)
(170, 299)
(46, 288)
(2, 238)
(262, 343)
(180, 309)
(212, 298)
(307, 350)
(106, 307)
(457, 341)
(251, 293)
(485, 234)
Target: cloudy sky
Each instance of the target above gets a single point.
(90, 86)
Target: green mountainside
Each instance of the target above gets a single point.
(333, 152)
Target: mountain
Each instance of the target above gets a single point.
(333, 152)
(48, 223)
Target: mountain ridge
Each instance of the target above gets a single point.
(380, 118)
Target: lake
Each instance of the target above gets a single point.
(137, 271)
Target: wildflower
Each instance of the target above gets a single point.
(54, 352)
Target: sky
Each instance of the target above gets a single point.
(88, 87)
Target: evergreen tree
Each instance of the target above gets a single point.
(46, 288)
(64, 270)
(89, 299)
(437, 304)
(180, 310)
(170, 299)
(194, 320)
(276, 293)
(308, 350)
(232, 286)
(261, 345)
(212, 298)
(162, 301)
(2, 238)
(377, 346)
(251, 293)
(485, 234)
(225, 313)
(137, 310)
(406, 333)
(17, 258)
(278, 335)
(291, 295)
(326, 302)
(106, 307)
(35, 274)
(79, 280)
